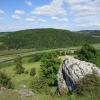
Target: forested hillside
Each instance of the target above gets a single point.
(45, 38)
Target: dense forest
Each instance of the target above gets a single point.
(45, 39)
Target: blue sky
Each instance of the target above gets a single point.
(63, 14)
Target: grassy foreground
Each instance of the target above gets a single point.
(14, 95)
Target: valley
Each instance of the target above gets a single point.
(7, 66)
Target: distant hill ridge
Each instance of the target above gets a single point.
(46, 38)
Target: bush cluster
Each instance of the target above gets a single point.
(32, 72)
(5, 81)
(49, 67)
(40, 85)
(87, 53)
(90, 83)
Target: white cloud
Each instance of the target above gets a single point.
(41, 20)
(19, 12)
(2, 14)
(97, 24)
(85, 13)
(1, 18)
(1, 11)
(34, 19)
(81, 25)
(54, 8)
(89, 25)
(55, 18)
(29, 3)
(13, 27)
(65, 19)
(30, 19)
(84, 7)
(60, 19)
(16, 17)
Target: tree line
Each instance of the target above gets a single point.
(45, 39)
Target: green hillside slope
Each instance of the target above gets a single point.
(46, 38)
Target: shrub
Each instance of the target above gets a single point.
(87, 84)
(57, 52)
(49, 68)
(32, 72)
(63, 53)
(40, 85)
(26, 72)
(5, 81)
(87, 53)
(19, 68)
(49, 55)
(35, 57)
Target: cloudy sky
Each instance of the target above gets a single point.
(63, 14)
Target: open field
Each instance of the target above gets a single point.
(97, 46)
(8, 55)
(23, 79)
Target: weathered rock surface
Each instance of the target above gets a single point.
(73, 70)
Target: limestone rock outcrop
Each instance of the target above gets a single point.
(71, 71)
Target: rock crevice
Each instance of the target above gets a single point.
(71, 71)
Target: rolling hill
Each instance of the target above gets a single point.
(45, 39)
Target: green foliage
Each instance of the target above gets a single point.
(49, 67)
(40, 85)
(2, 47)
(88, 84)
(32, 72)
(5, 81)
(19, 68)
(62, 53)
(26, 72)
(49, 55)
(97, 61)
(87, 53)
(35, 57)
(46, 38)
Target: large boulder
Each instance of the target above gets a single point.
(71, 71)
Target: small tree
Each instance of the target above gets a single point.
(5, 81)
(87, 53)
(49, 68)
(19, 68)
(26, 72)
(32, 72)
